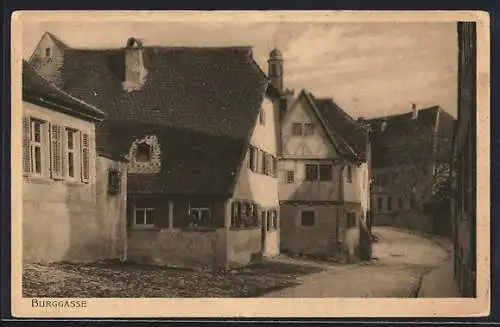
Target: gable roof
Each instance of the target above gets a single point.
(347, 136)
(406, 139)
(38, 90)
(202, 103)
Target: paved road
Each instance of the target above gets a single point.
(402, 260)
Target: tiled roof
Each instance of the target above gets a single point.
(406, 140)
(202, 103)
(354, 134)
(347, 136)
(37, 89)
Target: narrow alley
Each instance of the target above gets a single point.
(404, 265)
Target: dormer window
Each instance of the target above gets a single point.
(143, 152)
(47, 52)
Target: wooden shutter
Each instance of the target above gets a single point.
(85, 151)
(56, 152)
(26, 145)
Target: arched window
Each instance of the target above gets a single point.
(143, 152)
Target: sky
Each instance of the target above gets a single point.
(370, 69)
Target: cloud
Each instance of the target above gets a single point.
(384, 66)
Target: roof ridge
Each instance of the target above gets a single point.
(426, 108)
(169, 47)
(83, 103)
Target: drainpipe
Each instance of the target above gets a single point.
(125, 199)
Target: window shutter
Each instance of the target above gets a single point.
(85, 148)
(26, 145)
(56, 157)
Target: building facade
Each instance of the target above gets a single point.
(323, 174)
(69, 211)
(464, 165)
(198, 126)
(410, 164)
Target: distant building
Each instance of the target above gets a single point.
(324, 178)
(199, 126)
(410, 163)
(464, 165)
(74, 195)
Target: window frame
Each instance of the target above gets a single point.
(349, 174)
(308, 129)
(144, 210)
(48, 52)
(139, 146)
(313, 218)
(330, 170)
(34, 145)
(389, 203)
(290, 176)
(380, 204)
(68, 151)
(307, 176)
(199, 209)
(297, 129)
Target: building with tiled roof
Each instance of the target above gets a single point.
(199, 128)
(324, 171)
(410, 159)
(73, 194)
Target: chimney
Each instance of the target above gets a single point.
(383, 125)
(414, 111)
(135, 72)
(361, 121)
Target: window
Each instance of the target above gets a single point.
(114, 181)
(70, 152)
(349, 174)
(36, 146)
(144, 216)
(351, 219)
(47, 52)
(296, 129)
(262, 116)
(325, 172)
(251, 158)
(318, 172)
(400, 202)
(199, 215)
(311, 172)
(308, 129)
(262, 157)
(379, 204)
(244, 214)
(290, 176)
(307, 218)
(85, 157)
(143, 152)
(389, 203)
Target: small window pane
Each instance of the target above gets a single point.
(308, 129)
(311, 172)
(71, 165)
(149, 217)
(296, 129)
(143, 152)
(38, 160)
(290, 176)
(37, 131)
(325, 172)
(307, 218)
(70, 136)
(349, 174)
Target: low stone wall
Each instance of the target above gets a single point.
(177, 247)
(412, 220)
(242, 245)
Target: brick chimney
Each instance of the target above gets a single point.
(135, 71)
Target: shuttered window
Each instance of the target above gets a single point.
(56, 151)
(26, 145)
(85, 146)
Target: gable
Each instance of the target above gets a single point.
(317, 145)
(48, 57)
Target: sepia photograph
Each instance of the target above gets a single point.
(215, 156)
